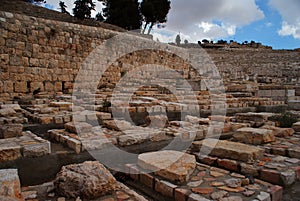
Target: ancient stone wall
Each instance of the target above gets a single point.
(45, 55)
(262, 65)
(42, 54)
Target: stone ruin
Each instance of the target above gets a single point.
(242, 154)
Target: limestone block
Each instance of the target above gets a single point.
(9, 150)
(10, 186)
(229, 150)
(21, 87)
(10, 130)
(171, 165)
(36, 149)
(254, 136)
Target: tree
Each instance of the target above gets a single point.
(83, 8)
(63, 7)
(222, 42)
(178, 39)
(186, 41)
(205, 41)
(123, 13)
(35, 1)
(99, 17)
(154, 12)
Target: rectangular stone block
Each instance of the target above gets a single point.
(36, 149)
(74, 144)
(9, 150)
(163, 164)
(147, 180)
(229, 150)
(254, 136)
(10, 186)
(276, 193)
(10, 130)
(271, 176)
(165, 188)
(21, 87)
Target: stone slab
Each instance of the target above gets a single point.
(171, 165)
(255, 136)
(229, 150)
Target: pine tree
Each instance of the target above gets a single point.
(154, 12)
(123, 13)
(63, 7)
(83, 8)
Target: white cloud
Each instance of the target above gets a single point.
(198, 19)
(211, 19)
(288, 29)
(289, 11)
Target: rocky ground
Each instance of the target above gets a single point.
(254, 159)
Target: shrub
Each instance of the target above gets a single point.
(106, 103)
(285, 120)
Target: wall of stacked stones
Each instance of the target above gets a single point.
(270, 66)
(38, 53)
(47, 55)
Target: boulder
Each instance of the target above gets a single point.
(172, 165)
(255, 136)
(88, 180)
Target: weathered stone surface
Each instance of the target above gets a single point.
(263, 196)
(15, 107)
(7, 112)
(254, 136)
(296, 126)
(157, 121)
(130, 139)
(9, 150)
(10, 185)
(118, 125)
(10, 130)
(230, 150)
(233, 183)
(196, 197)
(203, 190)
(87, 180)
(60, 104)
(36, 149)
(171, 165)
(280, 132)
(80, 127)
(232, 198)
(219, 194)
(288, 177)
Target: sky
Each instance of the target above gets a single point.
(272, 22)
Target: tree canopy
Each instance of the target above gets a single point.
(63, 7)
(178, 40)
(154, 12)
(83, 8)
(123, 13)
